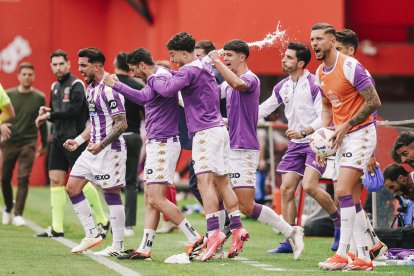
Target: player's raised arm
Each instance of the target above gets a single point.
(168, 87)
(229, 76)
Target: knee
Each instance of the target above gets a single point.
(310, 188)
(286, 191)
(153, 201)
(70, 190)
(246, 209)
(56, 181)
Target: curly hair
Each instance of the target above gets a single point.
(237, 45)
(181, 42)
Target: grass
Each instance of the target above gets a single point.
(21, 254)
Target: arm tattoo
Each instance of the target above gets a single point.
(116, 130)
(372, 103)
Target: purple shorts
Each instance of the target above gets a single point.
(297, 157)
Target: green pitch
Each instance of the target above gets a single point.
(22, 254)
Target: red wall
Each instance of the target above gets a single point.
(113, 25)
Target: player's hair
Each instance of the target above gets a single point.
(404, 139)
(93, 54)
(329, 29)
(59, 53)
(302, 51)
(206, 45)
(348, 38)
(237, 45)
(393, 171)
(181, 42)
(140, 55)
(26, 65)
(121, 61)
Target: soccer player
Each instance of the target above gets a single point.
(163, 149)
(349, 99)
(133, 143)
(302, 100)
(201, 96)
(21, 146)
(242, 89)
(347, 44)
(103, 161)
(403, 149)
(68, 114)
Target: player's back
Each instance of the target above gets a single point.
(201, 97)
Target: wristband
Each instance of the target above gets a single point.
(80, 140)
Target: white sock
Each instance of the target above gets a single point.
(222, 219)
(268, 216)
(347, 223)
(147, 239)
(117, 213)
(191, 234)
(352, 246)
(360, 226)
(372, 238)
(83, 211)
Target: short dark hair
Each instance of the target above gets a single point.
(181, 42)
(121, 61)
(140, 55)
(329, 29)
(206, 45)
(393, 171)
(404, 139)
(237, 45)
(348, 38)
(59, 53)
(26, 65)
(302, 51)
(93, 54)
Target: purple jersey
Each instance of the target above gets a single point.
(200, 93)
(104, 103)
(161, 113)
(242, 112)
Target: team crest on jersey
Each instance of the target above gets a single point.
(92, 108)
(66, 95)
(334, 98)
(112, 104)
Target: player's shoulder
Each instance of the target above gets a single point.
(280, 84)
(161, 71)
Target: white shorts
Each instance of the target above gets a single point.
(161, 161)
(106, 169)
(211, 149)
(356, 150)
(242, 168)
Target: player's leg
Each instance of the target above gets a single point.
(83, 211)
(264, 214)
(310, 185)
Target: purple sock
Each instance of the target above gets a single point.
(213, 223)
(113, 198)
(257, 209)
(336, 218)
(77, 198)
(346, 201)
(235, 222)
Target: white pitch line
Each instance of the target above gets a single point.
(102, 260)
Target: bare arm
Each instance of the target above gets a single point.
(326, 114)
(229, 76)
(120, 125)
(372, 103)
